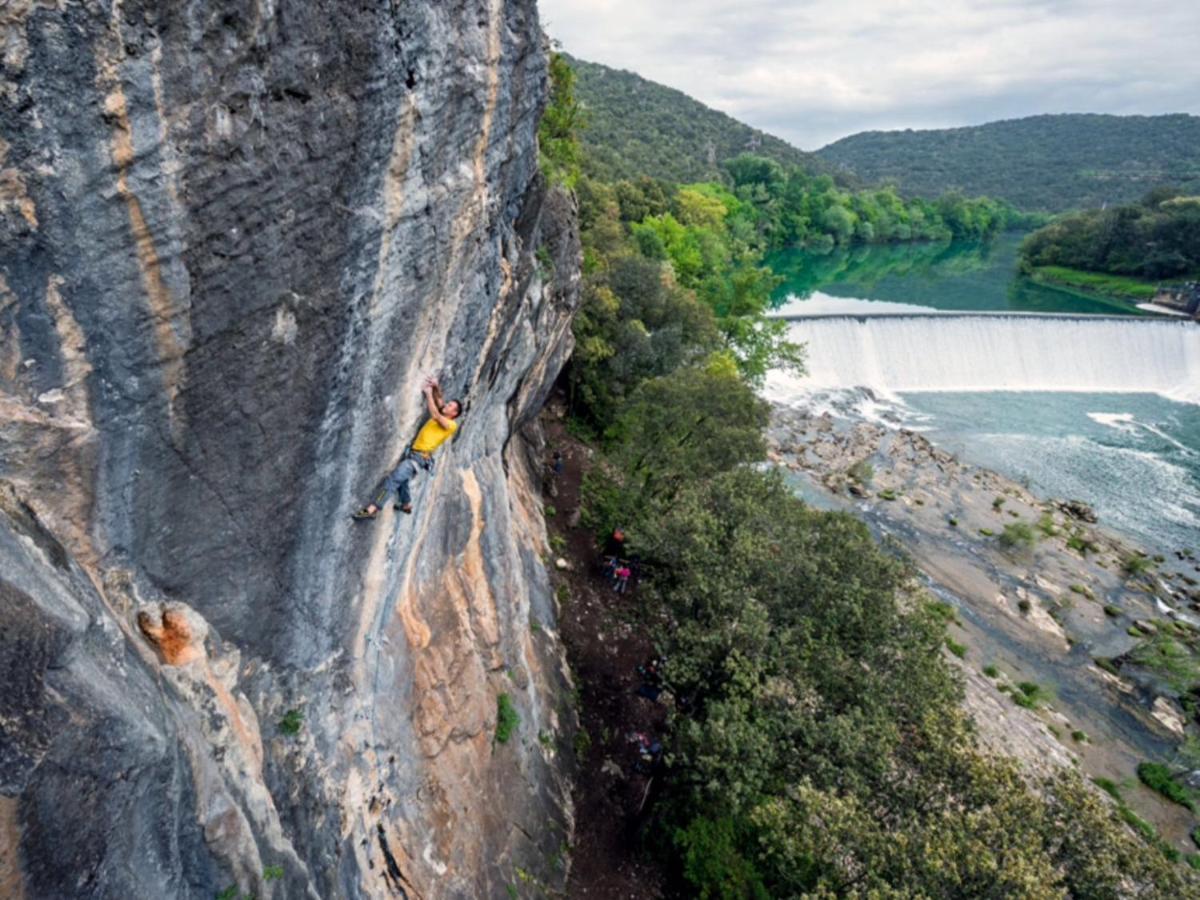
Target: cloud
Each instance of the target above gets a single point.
(812, 71)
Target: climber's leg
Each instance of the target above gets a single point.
(397, 481)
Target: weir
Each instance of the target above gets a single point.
(999, 352)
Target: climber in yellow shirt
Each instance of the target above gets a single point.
(441, 426)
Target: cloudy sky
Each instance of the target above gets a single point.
(812, 71)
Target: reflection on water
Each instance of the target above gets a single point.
(964, 276)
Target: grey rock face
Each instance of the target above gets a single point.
(234, 238)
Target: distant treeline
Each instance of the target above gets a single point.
(1054, 163)
(1156, 238)
(792, 207)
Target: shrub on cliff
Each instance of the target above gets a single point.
(560, 152)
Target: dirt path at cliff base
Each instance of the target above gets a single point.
(605, 644)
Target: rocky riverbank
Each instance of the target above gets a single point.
(1058, 623)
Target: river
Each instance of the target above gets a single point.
(1073, 396)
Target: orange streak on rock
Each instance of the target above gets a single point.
(162, 305)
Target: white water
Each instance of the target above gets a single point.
(914, 353)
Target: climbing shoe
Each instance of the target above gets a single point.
(364, 513)
(403, 507)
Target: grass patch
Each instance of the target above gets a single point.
(997, 503)
(1018, 536)
(272, 873)
(291, 723)
(583, 744)
(1024, 606)
(507, 719)
(987, 532)
(959, 650)
(991, 671)
(952, 522)
(551, 511)
(1158, 778)
(1079, 737)
(1140, 825)
(1111, 611)
(1030, 695)
(1171, 659)
(1106, 664)
(1046, 525)
(1081, 544)
(862, 472)
(558, 544)
(1136, 565)
(888, 494)
(1120, 286)
(1109, 787)
(1083, 591)
(942, 611)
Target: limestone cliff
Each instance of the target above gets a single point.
(234, 237)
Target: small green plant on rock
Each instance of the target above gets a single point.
(583, 744)
(1046, 525)
(987, 532)
(1136, 564)
(1030, 694)
(507, 719)
(1079, 736)
(1081, 544)
(1158, 778)
(1017, 536)
(887, 494)
(1112, 611)
(861, 472)
(998, 503)
(292, 722)
(991, 671)
(959, 650)
(272, 873)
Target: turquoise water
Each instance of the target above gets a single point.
(1134, 457)
(957, 276)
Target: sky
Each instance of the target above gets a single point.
(812, 71)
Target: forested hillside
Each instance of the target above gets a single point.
(637, 127)
(1051, 163)
(814, 743)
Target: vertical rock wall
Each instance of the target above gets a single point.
(234, 237)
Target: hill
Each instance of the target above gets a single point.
(1052, 162)
(637, 127)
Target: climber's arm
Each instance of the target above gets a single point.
(433, 400)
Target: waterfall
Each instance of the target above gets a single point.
(998, 352)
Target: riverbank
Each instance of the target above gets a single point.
(1048, 621)
(1097, 284)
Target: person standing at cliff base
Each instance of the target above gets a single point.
(441, 426)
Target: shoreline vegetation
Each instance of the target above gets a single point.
(1097, 284)
(813, 738)
(1126, 252)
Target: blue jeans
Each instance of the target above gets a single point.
(398, 480)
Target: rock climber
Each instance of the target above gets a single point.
(442, 425)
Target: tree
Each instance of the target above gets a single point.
(560, 151)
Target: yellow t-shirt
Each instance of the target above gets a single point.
(432, 435)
